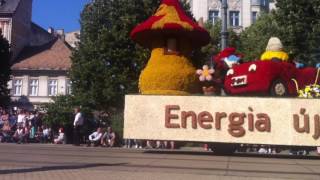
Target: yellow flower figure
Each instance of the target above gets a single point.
(274, 51)
(171, 35)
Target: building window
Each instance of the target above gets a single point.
(53, 87)
(68, 89)
(33, 87)
(234, 18)
(17, 87)
(254, 16)
(5, 29)
(213, 16)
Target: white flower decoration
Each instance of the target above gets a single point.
(205, 73)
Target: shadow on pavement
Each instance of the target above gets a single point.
(255, 155)
(55, 168)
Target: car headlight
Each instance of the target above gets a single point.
(252, 68)
(230, 72)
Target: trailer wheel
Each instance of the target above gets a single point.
(223, 149)
(278, 88)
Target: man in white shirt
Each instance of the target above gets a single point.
(21, 118)
(78, 120)
(95, 137)
(77, 125)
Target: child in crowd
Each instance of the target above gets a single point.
(60, 138)
(108, 138)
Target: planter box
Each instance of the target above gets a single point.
(252, 120)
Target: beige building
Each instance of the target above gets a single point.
(41, 58)
(41, 72)
(73, 38)
(241, 13)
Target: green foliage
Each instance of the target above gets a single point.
(59, 113)
(301, 28)
(4, 71)
(117, 123)
(254, 39)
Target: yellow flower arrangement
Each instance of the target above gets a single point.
(168, 75)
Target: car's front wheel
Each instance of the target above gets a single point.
(278, 88)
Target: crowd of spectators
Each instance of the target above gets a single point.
(22, 126)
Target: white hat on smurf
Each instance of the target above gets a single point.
(274, 44)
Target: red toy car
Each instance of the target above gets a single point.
(268, 78)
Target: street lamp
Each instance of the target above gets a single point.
(224, 30)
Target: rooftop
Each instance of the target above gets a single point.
(54, 55)
(8, 6)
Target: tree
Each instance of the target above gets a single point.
(108, 63)
(214, 47)
(254, 39)
(4, 71)
(301, 27)
(59, 113)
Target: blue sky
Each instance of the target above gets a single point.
(59, 14)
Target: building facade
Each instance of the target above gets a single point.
(41, 58)
(41, 72)
(241, 13)
(15, 23)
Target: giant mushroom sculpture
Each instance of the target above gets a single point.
(171, 35)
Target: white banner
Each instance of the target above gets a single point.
(252, 120)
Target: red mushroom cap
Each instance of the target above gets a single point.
(170, 19)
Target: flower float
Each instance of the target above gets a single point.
(171, 35)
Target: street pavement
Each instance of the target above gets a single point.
(66, 162)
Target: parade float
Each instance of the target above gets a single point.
(168, 110)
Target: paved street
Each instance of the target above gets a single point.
(35, 161)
